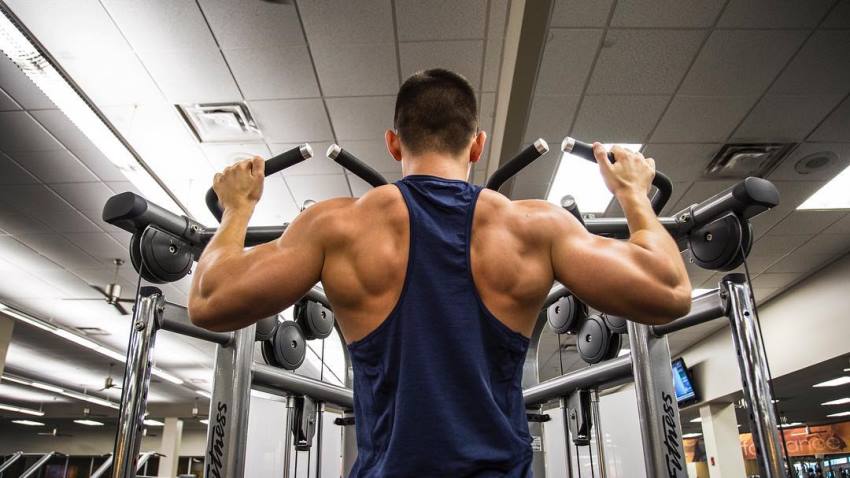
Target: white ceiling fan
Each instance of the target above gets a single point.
(112, 292)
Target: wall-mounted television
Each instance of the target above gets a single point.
(683, 383)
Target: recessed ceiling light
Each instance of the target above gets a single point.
(28, 423)
(581, 179)
(26, 411)
(832, 195)
(834, 382)
(691, 435)
(91, 423)
(153, 423)
(697, 420)
(840, 401)
(839, 414)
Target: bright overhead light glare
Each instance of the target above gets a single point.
(792, 424)
(698, 292)
(697, 420)
(692, 435)
(28, 423)
(839, 414)
(581, 179)
(90, 423)
(153, 423)
(834, 382)
(840, 401)
(68, 393)
(623, 352)
(205, 421)
(25, 411)
(203, 393)
(49, 388)
(15, 44)
(832, 195)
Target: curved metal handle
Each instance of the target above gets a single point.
(359, 168)
(515, 165)
(273, 165)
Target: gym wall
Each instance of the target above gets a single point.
(94, 442)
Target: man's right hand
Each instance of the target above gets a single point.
(630, 173)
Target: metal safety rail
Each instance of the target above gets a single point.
(12, 459)
(39, 463)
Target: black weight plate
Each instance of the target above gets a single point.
(564, 315)
(165, 258)
(267, 351)
(747, 243)
(315, 320)
(616, 324)
(265, 328)
(716, 246)
(593, 339)
(289, 346)
(614, 348)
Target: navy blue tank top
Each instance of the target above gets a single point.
(437, 386)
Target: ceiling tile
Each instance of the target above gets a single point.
(740, 62)
(112, 78)
(533, 181)
(550, 118)
(567, 58)
(7, 103)
(826, 244)
(838, 155)
(836, 127)
(292, 121)
(11, 173)
(59, 250)
(757, 264)
(679, 190)
(826, 52)
(777, 280)
(791, 195)
(55, 166)
(20, 87)
(20, 132)
(161, 25)
(662, 57)
(356, 68)
(440, 19)
(276, 206)
(681, 162)
(700, 191)
(701, 119)
(375, 154)
(222, 155)
(13, 251)
(580, 13)
(318, 164)
(773, 244)
(800, 263)
(361, 118)
(666, 13)
(364, 21)
(253, 24)
(84, 195)
(497, 21)
(487, 113)
(773, 14)
(69, 135)
(492, 64)
(13, 222)
(785, 118)
(273, 73)
(618, 119)
(360, 187)
(101, 246)
(45, 205)
(840, 227)
(839, 17)
(318, 188)
(463, 57)
(807, 222)
(192, 76)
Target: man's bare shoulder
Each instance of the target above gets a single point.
(344, 217)
(527, 216)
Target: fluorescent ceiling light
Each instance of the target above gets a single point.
(833, 195)
(25, 411)
(38, 68)
(205, 421)
(697, 420)
(28, 423)
(203, 393)
(80, 340)
(68, 393)
(793, 424)
(91, 423)
(581, 179)
(839, 414)
(840, 401)
(698, 292)
(834, 382)
(153, 423)
(691, 435)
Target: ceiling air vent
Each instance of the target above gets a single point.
(221, 122)
(743, 160)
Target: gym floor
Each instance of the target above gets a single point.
(714, 90)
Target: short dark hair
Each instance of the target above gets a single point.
(436, 110)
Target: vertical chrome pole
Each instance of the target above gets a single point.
(227, 431)
(755, 377)
(562, 403)
(658, 411)
(600, 437)
(137, 378)
(287, 443)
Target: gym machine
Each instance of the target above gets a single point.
(716, 232)
(42, 459)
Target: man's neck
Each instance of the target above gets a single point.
(435, 164)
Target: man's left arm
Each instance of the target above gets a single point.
(233, 287)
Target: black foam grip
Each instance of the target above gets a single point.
(359, 168)
(273, 165)
(512, 167)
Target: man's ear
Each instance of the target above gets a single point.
(393, 144)
(477, 148)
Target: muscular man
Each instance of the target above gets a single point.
(436, 285)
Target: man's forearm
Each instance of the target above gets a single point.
(228, 239)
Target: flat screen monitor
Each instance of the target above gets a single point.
(683, 383)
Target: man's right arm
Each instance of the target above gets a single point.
(644, 278)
